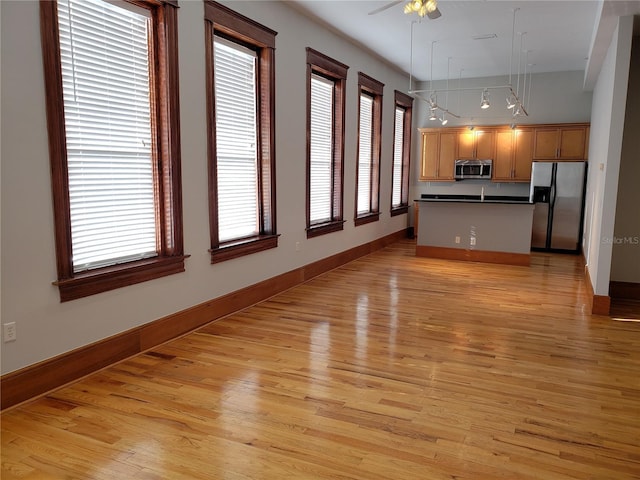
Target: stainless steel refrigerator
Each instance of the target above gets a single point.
(557, 191)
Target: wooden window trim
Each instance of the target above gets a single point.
(399, 210)
(318, 63)
(374, 88)
(241, 247)
(165, 105)
(406, 102)
(221, 20)
(366, 218)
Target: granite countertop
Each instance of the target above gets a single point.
(427, 197)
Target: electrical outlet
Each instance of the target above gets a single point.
(457, 239)
(472, 241)
(9, 333)
(297, 246)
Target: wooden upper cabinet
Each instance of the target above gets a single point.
(546, 144)
(503, 159)
(476, 144)
(428, 155)
(485, 144)
(523, 155)
(513, 155)
(512, 150)
(466, 144)
(573, 143)
(447, 156)
(438, 154)
(568, 142)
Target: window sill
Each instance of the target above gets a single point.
(240, 248)
(109, 278)
(399, 210)
(324, 228)
(367, 218)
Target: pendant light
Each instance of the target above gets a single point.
(484, 102)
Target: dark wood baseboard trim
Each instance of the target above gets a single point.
(626, 290)
(411, 232)
(521, 259)
(40, 378)
(600, 304)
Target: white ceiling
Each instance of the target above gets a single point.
(557, 34)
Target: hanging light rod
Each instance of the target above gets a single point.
(517, 104)
(433, 106)
(444, 90)
(513, 99)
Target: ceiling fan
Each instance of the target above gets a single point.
(423, 8)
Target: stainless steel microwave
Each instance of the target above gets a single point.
(467, 169)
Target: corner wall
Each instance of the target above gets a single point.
(605, 146)
(625, 260)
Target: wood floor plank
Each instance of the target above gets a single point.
(389, 367)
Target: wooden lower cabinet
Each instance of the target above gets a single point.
(513, 155)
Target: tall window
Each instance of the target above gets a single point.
(236, 140)
(365, 155)
(369, 140)
(325, 147)
(112, 110)
(401, 154)
(240, 104)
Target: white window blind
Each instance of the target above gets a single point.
(321, 155)
(105, 69)
(236, 140)
(398, 147)
(365, 151)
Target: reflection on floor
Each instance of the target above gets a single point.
(389, 367)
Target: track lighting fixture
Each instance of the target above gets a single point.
(517, 111)
(516, 97)
(484, 102)
(433, 101)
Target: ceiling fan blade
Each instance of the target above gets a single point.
(435, 14)
(384, 7)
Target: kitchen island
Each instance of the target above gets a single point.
(466, 227)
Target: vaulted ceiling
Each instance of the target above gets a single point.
(477, 38)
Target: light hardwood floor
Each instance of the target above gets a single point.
(391, 367)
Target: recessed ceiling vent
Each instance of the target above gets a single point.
(485, 36)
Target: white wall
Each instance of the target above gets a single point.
(625, 260)
(555, 98)
(45, 327)
(605, 145)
